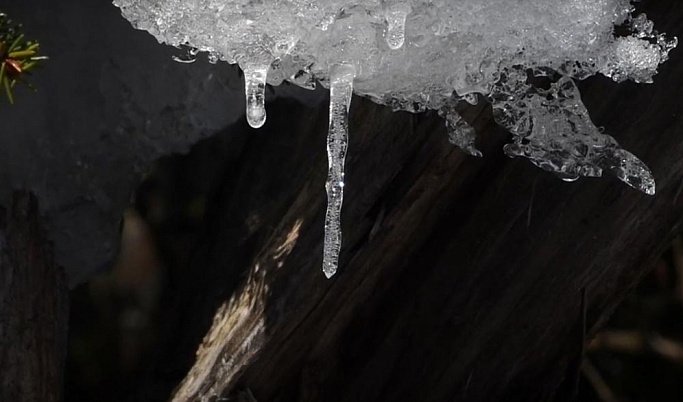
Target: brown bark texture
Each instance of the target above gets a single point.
(460, 278)
(33, 308)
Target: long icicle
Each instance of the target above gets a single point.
(255, 91)
(341, 90)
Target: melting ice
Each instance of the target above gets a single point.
(416, 55)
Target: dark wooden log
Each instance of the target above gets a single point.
(461, 278)
(33, 308)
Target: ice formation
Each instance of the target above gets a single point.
(341, 89)
(416, 55)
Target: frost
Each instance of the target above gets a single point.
(417, 55)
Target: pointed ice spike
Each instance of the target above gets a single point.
(396, 13)
(341, 89)
(255, 90)
(631, 170)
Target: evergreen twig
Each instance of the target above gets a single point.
(18, 57)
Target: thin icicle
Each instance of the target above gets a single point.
(396, 14)
(255, 90)
(341, 89)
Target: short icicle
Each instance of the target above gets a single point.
(396, 13)
(255, 90)
(341, 90)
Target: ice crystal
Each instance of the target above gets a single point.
(417, 55)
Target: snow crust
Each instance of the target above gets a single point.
(416, 55)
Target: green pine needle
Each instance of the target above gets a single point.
(17, 56)
(8, 90)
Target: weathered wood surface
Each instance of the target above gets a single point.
(461, 278)
(33, 308)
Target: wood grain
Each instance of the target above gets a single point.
(460, 278)
(33, 308)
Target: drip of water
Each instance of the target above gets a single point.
(341, 90)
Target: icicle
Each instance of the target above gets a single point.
(255, 90)
(460, 133)
(341, 89)
(396, 15)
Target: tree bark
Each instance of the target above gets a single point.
(33, 308)
(460, 278)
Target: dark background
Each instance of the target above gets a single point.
(481, 302)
